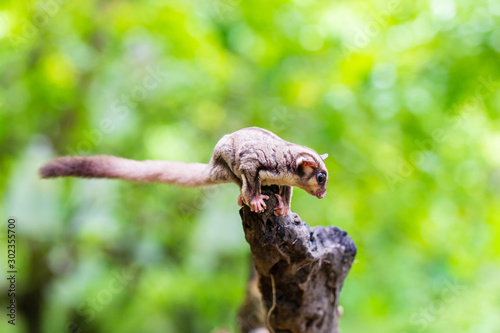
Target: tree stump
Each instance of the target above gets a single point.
(299, 272)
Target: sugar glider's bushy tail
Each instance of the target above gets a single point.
(103, 166)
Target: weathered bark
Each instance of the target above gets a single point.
(300, 272)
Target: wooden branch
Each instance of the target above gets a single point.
(300, 272)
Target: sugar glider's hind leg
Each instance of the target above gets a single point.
(250, 191)
(223, 162)
(284, 201)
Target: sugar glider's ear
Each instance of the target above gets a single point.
(324, 156)
(305, 161)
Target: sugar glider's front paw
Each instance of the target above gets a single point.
(257, 203)
(280, 210)
(240, 200)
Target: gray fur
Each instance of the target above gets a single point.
(250, 157)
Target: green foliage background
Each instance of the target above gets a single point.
(402, 95)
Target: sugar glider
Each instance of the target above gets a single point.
(249, 157)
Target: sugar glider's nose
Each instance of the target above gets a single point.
(320, 195)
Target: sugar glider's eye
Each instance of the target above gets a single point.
(321, 178)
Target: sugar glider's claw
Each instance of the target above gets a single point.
(257, 203)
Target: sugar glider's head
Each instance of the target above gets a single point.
(312, 175)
